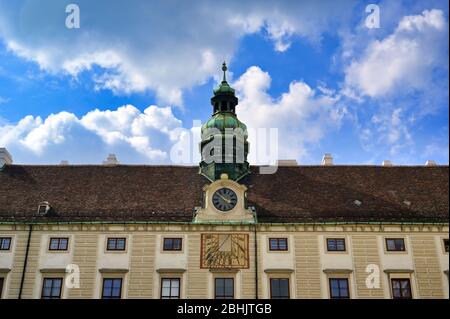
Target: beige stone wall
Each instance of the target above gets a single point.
(85, 256)
(20, 238)
(365, 252)
(306, 262)
(308, 268)
(248, 275)
(427, 267)
(142, 266)
(196, 277)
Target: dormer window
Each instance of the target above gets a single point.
(43, 208)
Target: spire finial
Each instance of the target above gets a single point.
(224, 69)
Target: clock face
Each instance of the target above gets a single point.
(224, 199)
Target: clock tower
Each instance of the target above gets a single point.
(224, 147)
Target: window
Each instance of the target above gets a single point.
(116, 244)
(2, 280)
(395, 244)
(446, 247)
(5, 243)
(112, 288)
(336, 244)
(339, 288)
(173, 244)
(224, 288)
(278, 244)
(51, 288)
(279, 288)
(170, 288)
(401, 289)
(58, 244)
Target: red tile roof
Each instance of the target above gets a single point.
(170, 193)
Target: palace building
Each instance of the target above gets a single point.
(223, 229)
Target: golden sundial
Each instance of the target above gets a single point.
(224, 251)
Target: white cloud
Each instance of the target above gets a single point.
(302, 115)
(393, 130)
(402, 61)
(136, 137)
(166, 47)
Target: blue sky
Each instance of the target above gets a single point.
(133, 78)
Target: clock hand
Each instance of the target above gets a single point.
(227, 200)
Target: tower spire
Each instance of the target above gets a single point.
(220, 157)
(224, 69)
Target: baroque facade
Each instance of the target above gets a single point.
(223, 229)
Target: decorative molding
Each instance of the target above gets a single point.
(337, 271)
(224, 270)
(279, 270)
(53, 270)
(170, 270)
(4, 270)
(113, 270)
(399, 271)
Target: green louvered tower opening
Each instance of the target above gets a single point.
(224, 145)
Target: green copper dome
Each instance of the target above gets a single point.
(224, 87)
(223, 120)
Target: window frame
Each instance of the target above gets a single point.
(277, 247)
(116, 239)
(59, 239)
(52, 287)
(170, 279)
(172, 247)
(336, 239)
(401, 289)
(112, 285)
(445, 246)
(288, 287)
(395, 239)
(2, 285)
(330, 279)
(9, 243)
(224, 296)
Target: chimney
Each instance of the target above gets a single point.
(430, 163)
(327, 159)
(5, 157)
(387, 163)
(287, 162)
(111, 160)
